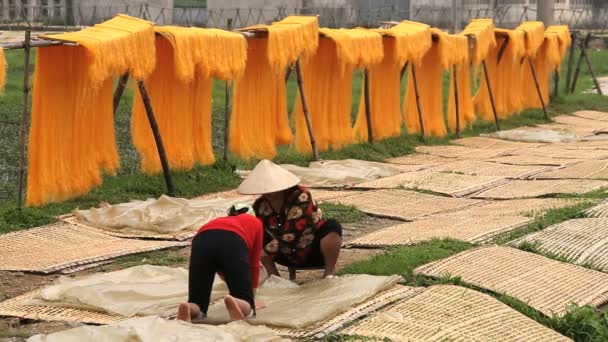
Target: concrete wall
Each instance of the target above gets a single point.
(91, 11)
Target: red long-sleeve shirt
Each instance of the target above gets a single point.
(250, 229)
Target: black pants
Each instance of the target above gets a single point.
(219, 251)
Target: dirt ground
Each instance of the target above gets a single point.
(13, 284)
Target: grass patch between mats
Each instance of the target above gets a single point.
(342, 213)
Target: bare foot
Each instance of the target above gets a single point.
(234, 310)
(183, 312)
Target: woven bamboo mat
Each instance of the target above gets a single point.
(538, 188)
(421, 160)
(392, 295)
(532, 160)
(223, 194)
(578, 121)
(547, 285)
(403, 204)
(452, 313)
(328, 195)
(482, 168)
(592, 115)
(476, 229)
(451, 184)
(581, 241)
(18, 307)
(599, 211)
(588, 169)
(462, 152)
(179, 236)
(529, 207)
(562, 153)
(492, 143)
(577, 131)
(61, 245)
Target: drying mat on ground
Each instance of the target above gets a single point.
(588, 169)
(224, 194)
(462, 152)
(180, 236)
(403, 204)
(529, 207)
(445, 183)
(536, 134)
(537, 188)
(599, 211)
(420, 160)
(581, 241)
(579, 132)
(58, 246)
(562, 153)
(452, 313)
(320, 195)
(398, 292)
(547, 285)
(592, 115)
(482, 168)
(532, 160)
(577, 121)
(595, 142)
(491, 143)
(475, 229)
(17, 307)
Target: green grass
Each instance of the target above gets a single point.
(342, 213)
(158, 258)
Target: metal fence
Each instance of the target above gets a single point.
(508, 15)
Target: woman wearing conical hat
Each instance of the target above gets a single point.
(295, 233)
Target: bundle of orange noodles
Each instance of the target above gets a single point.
(2, 70)
(563, 38)
(259, 118)
(460, 47)
(505, 77)
(402, 42)
(328, 78)
(72, 139)
(535, 36)
(546, 61)
(180, 94)
(429, 75)
(483, 32)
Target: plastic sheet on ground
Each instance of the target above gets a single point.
(136, 291)
(154, 328)
(535, 134)
(300, 306)
(163, 215)
(338, 173)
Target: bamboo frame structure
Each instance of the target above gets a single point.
(313, 143)
(418, 106)
(456, 101)
(26, 91)
(120, 89)
(368, 110)
(574, 38)
(540, 94)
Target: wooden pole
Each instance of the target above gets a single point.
(540, 94)
(288, 73)
(418, 106)
(26, 91)
(502, 48)
(574, 36)
(311, 135)
(403, 70)
(456, 102)
(157, 138)
(489, 86)
(579, 63)
(120, 89)
(368, 107)
(226, 119)
(555, 83)
(597, 84)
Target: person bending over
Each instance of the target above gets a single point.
(230, 246)
(295, 233)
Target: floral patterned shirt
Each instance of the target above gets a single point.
(293, 228)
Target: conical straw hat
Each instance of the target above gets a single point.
(266, 178)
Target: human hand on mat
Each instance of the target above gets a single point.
(259, 304)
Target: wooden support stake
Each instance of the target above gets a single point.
(226, 119)
(501, 51)
(574, 36)
(540, 94)
(489, 86)
(368, 108)
(555, 83)
(456, 102)
(579, 63)
(157, 138)
(403, 70)
(26, 91)
(597, 84)
(288, 73)
(420, 121)
(120, 89)
(313, 143)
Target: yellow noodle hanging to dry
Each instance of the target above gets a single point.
(460, 48)
(3, 67)
(485, 40)
(72, 140)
